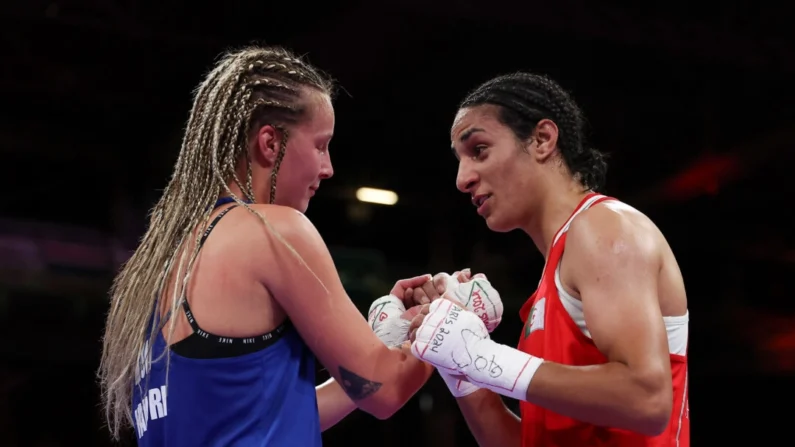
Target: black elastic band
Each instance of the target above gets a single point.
(263, 340)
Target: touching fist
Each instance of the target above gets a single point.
(457, 343)
(477, 295)
(404, 288)
(447, 335)
(387, 318)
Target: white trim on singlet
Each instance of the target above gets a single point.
(682, 410)
(584, 207)
(676, 327)
(565, 228)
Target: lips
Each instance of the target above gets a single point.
(478, 200)
(482, 202)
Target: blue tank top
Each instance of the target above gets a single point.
(265, 397)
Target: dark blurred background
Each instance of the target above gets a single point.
(693, 101)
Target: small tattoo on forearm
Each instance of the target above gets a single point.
(357, 387)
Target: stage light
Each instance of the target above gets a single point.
(374, 195)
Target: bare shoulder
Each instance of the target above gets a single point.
(264, 236)
(613, 246)
(613, 227)
(284, 218)
(611, 240)
(269, 221)
(286, 243)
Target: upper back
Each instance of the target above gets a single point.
(224, 291)
(232, 348)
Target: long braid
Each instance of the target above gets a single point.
(278, 164)
(247, 88)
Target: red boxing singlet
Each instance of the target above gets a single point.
(551, 333)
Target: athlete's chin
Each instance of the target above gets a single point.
(303, 206)
(498, 225)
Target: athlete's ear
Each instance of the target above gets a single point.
(544, 140)
(266, 144)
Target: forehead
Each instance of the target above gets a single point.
(320, 111)
(472, 120)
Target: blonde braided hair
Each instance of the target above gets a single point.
(246, 89)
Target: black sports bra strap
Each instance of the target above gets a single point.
(191, 320)
(213, 224)
(185, 305)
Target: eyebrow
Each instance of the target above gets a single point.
(464, 137)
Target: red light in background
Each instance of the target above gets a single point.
(705, 176)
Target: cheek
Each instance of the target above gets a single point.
(298, 159)
(290, 170)
(308, 170)
(520, 180)
(513, 181)
(503, 172)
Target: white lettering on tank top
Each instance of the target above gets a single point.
(153, 403)
(153, 406)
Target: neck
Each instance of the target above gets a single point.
(260, 183)
(555, 208)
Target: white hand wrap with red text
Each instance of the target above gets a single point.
(480, 297)
(457, 342)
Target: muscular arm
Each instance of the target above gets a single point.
(377, 379)
(612, 261)
(490, 421)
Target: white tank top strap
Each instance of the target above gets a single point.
(582, 208)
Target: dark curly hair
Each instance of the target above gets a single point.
(524, 99)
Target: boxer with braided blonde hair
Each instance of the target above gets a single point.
(211, 338)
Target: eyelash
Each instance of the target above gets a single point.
(478, 150)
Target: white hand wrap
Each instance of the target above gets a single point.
(456, 341)
(384, 319)
(478, 296)
(458, 388)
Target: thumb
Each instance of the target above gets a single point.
(443, 282)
